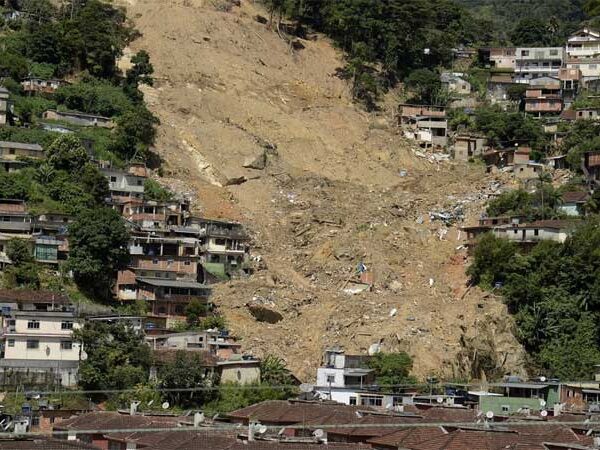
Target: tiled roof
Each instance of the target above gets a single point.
(32, 296)
(40, 442)
(443, 414)
(575, 197)
(285, 412)
(102, 420)
(385, 426)
(407, 436)
(552, 224)
(168, 356)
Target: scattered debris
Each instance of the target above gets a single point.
(393, 312)
(354, 287)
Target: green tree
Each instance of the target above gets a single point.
(392, 369)
(194, 311)
(94, 183)
(135, 134)
(425, 84)
(154, 191)
(66, 153)
(532, 32)
(492, 260)
(98, 249)
(274, 372)
(188, 371)
(19, 251)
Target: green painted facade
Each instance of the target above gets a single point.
(506, 405)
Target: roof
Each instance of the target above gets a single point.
(552, 224)
(159, 282)
(568, 114)
(21, 145)
(503, 79)
(38, 442)
(380, 425)
(575, 197)
(78, 114)
(12, 206)
(29, 296)
(407, 437)
(114, 420)
(289, 413)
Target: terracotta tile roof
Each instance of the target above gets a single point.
(289, 413)
(104, 420)
(552, 224)
(372, 431)
(12, 206)
(568, 114)
(32, 296)
(442, 414)
(593, 159)
(467, 439)
(575, 197)
(45, 443)
(406, 437)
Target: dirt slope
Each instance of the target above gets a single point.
(332, 195)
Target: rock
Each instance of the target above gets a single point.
(263, 314)
(395, 286)
(235, 181)
(258, 162)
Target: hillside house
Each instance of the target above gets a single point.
(79, 118)
(543, 99)
(520, 398)
(425, 124)
(591, 167)
(13, 155)
(583, 53)
(587, 113)
(536, 62)
(124, 185)
(499, 157)
(38, 344)
(573, 203)
(525, 234)
(498, 85)
(151, 214)
(455, 83)
(217, 343)
(41, 85)
(466, 146)
(5, 105)
(578, 397)
(570, 84)
(498, 57)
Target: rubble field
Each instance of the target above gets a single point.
(355, 233)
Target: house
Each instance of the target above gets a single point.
(466, 146)
(14, 155)
(41, 442)
(579, 396)
(573, 203)
(543, 99)
(38, 347)
(426, 124)
(520, 398)
(341, 376)
(498, 57)
(498, 86)
(5, 105)
(34, 85)
(79, 118)
(583, 53)
(239, 369)
(536, 62)
(556, 162)
(455, 83)
(587, 113)
(217, 343)
(591, 167)
(15, 219)
(570, 84)
(133, 322)
(152, 214)
(499, 157)
(124, 185)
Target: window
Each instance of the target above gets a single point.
(536, 232)
(371, 401)
(516, 231)
(113, 179)
(33, 325)
(179, 310)
(187, 263)
(593, 66)
(140, 182)
(33, 343)
(330, 378)
(506, 408)
(155, 261)
(11, 151)
(219, 241)
(524, 52)
(352, 401)
(66, 325)
(11, 342)
(66, 345)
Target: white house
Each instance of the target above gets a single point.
(583, 53)
(42, 342)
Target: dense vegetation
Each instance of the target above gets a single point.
(554, 293)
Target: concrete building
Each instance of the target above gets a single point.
(525, 234)
(41, 343)
(583, 53)
(41, 85)
(543, 99)
(217, 343)
(570, 84)
(455, 83)
(498, 57)
(5, 105)
(13, 155)
(79, 118)
(536, 62)
(466, 146)
(573, 203)
(124, 185)
(591, 167)
(425, 124)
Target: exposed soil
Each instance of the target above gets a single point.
(229, 92)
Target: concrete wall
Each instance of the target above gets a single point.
(323, 372)
(240, 373)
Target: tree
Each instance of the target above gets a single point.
(98, 249)
(154, 191)
(19, 251)
(492, 260)
(117, 357)
(274, 372)
(194, 311)
(140, 73)
(66, 153)
(23, 272)
(425, 84)
(94, 183)
(135, 134)
(392, 369)
(188, 371)
(532, 32)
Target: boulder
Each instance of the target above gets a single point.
(263, 314)
(258, 162)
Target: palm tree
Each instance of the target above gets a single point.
(274, 371)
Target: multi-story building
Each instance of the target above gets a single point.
(13, 155)
(583, 53)
(151, 214)
(498, 57)
(570, 84)
(38, 344)
(217, 343)
(537, 62)
(543, 99)
(5, 105)
(124, 185)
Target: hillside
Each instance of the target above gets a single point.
(340, 187)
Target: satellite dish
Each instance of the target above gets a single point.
(165, 405)
(542, 403)
(280, 433)
(306, 387)
(150, 402)
(261, 429)
(542, 379)
(489, 414)
(544, 413)
(439, 400)
(318, 433)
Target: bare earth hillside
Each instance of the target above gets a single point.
(340, 187)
